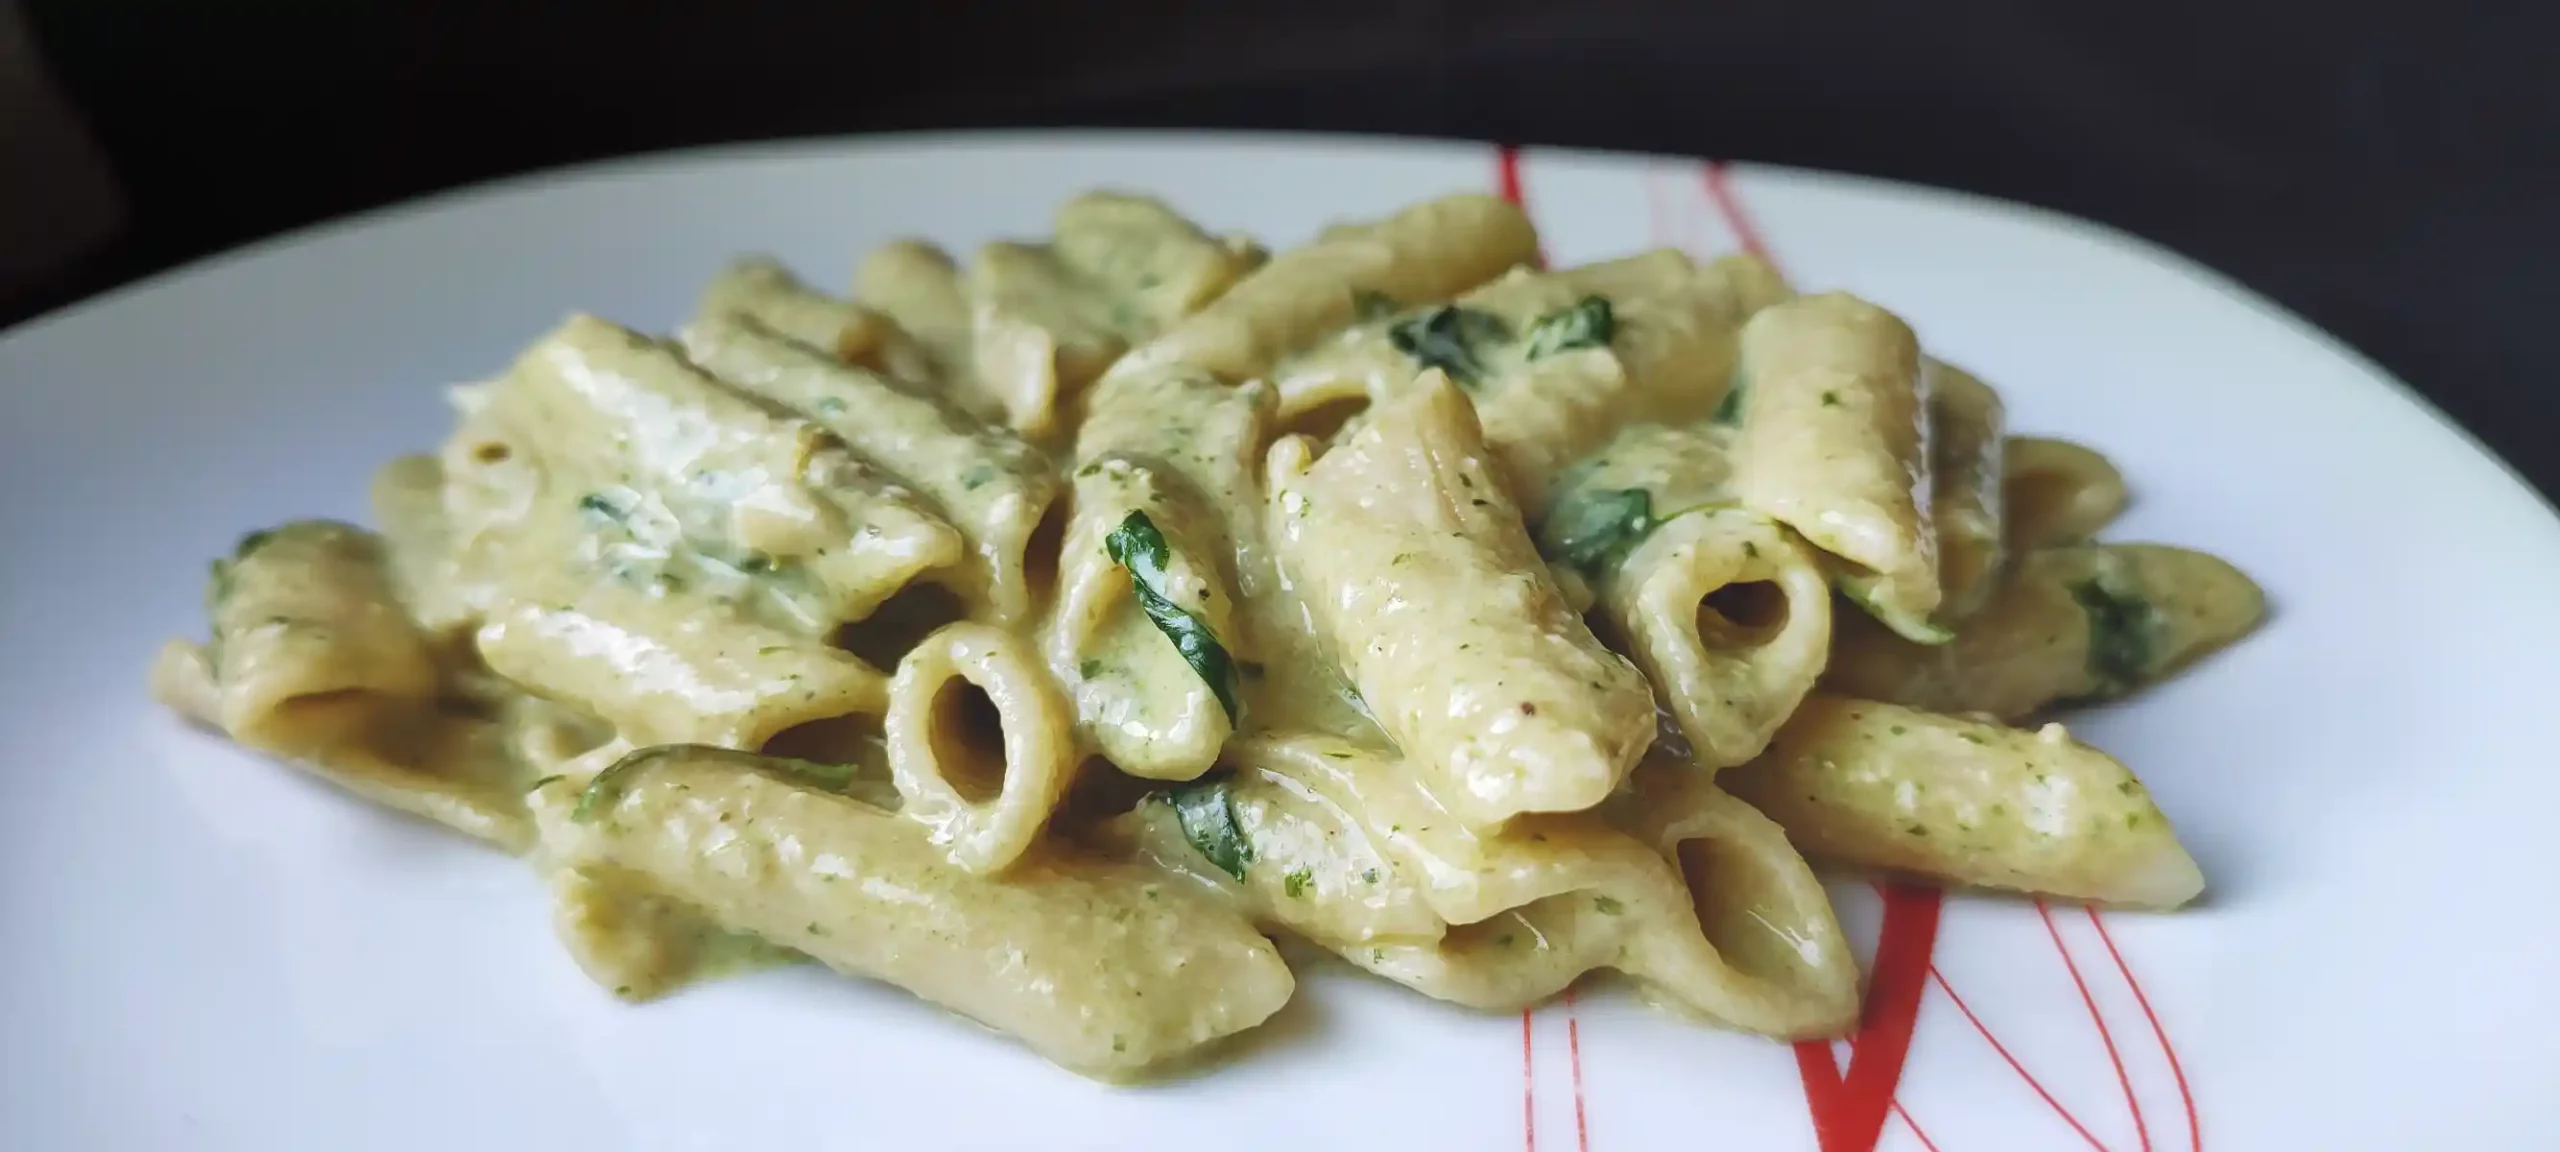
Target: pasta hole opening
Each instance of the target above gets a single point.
(1743, 615)
(1326, 420)
(900, 623)
(1729, 886)
(315, 720)
(968, 741)
(1040, 552)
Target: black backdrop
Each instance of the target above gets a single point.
(2391, 171)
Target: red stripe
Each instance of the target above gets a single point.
(2195, 1131)
(1528, 1087)
(1506, 174)
(2141, 1130)
(1849, 1109)
(1573, 1048)
(2014, 1066)
(1720, 191)
(1914, 1125)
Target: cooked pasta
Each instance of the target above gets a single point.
(1044, 634)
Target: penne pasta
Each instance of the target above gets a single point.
(1417, 571)
(1833, 441)
(984, 779)
(2057, 492)
(1967, 802)
(1103, 967)
(2067, 625)
(1966, 477)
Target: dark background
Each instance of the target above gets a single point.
(2392, 172)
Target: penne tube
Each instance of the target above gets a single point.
(760, 289)
(1420, 577)
(655, 461)
(1038, 336)
(1833, 441)
(917, 286)
(1152, 637)
(2057, 492)
(1292, 834)
(1967, 802)
(420, 558)
(983, 780)
(670, 667)
(310, 648)
(2067, 625)
(984, 481)
(1106, 968)
(1966, 458)
(1431, 251)
(1555, 362)
(1138, 253)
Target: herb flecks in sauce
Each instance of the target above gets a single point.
(1138, 547)
(1588, 324)
(1369, 304)
(1208, 818)
(606, 789)
(1729, 410)
(1452, 339)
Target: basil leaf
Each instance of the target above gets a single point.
(1138, 547)
(1208, 818)
(606, 789)
(1451, 339)
(1592, 531)
(1588, 324)
(2123, 633)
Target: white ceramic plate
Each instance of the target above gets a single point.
(203, 951)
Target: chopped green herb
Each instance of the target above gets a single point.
(606, 790)
(1138, 547)
(1729, 410)
(1588, 324)
(1898, 730)
(1608, 905)
(1830, 399)
(1295, 883)
(1451, 339)
(816, 929)
(977, 477)
(1208, 818)
(2124, 633)
(1370, 876)
(1592, 531)
(1119, 1043)
(1367, 305)
(538, 785)
(830, 406)
(1975, 738)
(596, 504)
(1917, 830)
(1089, 669)
(771, 650)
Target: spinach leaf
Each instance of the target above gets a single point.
(1138, 547)
(1451, 339)
(606, 789)
(1729, 410)
(1588, 324)
(2123, 633)
(1208, 818)
(1592, 531)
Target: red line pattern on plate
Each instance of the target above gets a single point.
(1914, 1126)
(1720, 193)
(2195, 1131)
(1573, 1049)
(1528, 1084)
(1849, 1107)
(2141, 1130)
(2020, 1069)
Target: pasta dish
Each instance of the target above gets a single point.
(1047, 634)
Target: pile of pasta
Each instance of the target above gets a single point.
(1046, 636)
